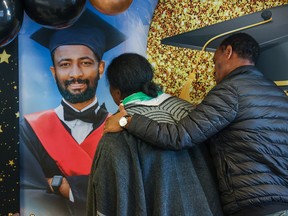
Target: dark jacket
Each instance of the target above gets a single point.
(245, 119)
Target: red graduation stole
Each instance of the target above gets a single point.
(71, 158)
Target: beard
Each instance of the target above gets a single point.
(80, 97)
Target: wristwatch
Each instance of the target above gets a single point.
(123, 121)
(56, 183)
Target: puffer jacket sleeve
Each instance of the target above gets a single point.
(216, 111)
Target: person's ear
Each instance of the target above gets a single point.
(52, 69)
(229, 51)
(101, 68)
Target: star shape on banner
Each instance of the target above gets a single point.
(4, 57)
(11, 162)
(1, 131)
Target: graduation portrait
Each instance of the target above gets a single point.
(65, 100)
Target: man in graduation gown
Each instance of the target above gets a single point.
(57, 146)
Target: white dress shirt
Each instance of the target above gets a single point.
(79, 129)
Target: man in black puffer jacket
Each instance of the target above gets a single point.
(245, 119)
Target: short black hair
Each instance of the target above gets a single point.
(131, 73)
(244, 45)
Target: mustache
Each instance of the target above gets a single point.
(79, 81)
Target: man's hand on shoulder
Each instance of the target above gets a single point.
(112, 123)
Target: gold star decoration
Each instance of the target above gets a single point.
(1, 131)
(4, 57)
(11, 162)
(17, 115)
(1, 179)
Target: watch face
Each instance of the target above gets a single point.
(122, 121)
(56, 181)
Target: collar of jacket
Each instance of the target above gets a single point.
(243, 69)
(138, 96)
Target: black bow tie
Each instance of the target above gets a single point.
(88, 115)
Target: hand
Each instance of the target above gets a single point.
(49, 181)
(64, 188)
(112, 123)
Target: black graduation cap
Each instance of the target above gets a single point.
(268, 27)
(89, 30)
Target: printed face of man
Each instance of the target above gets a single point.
(76, 71)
